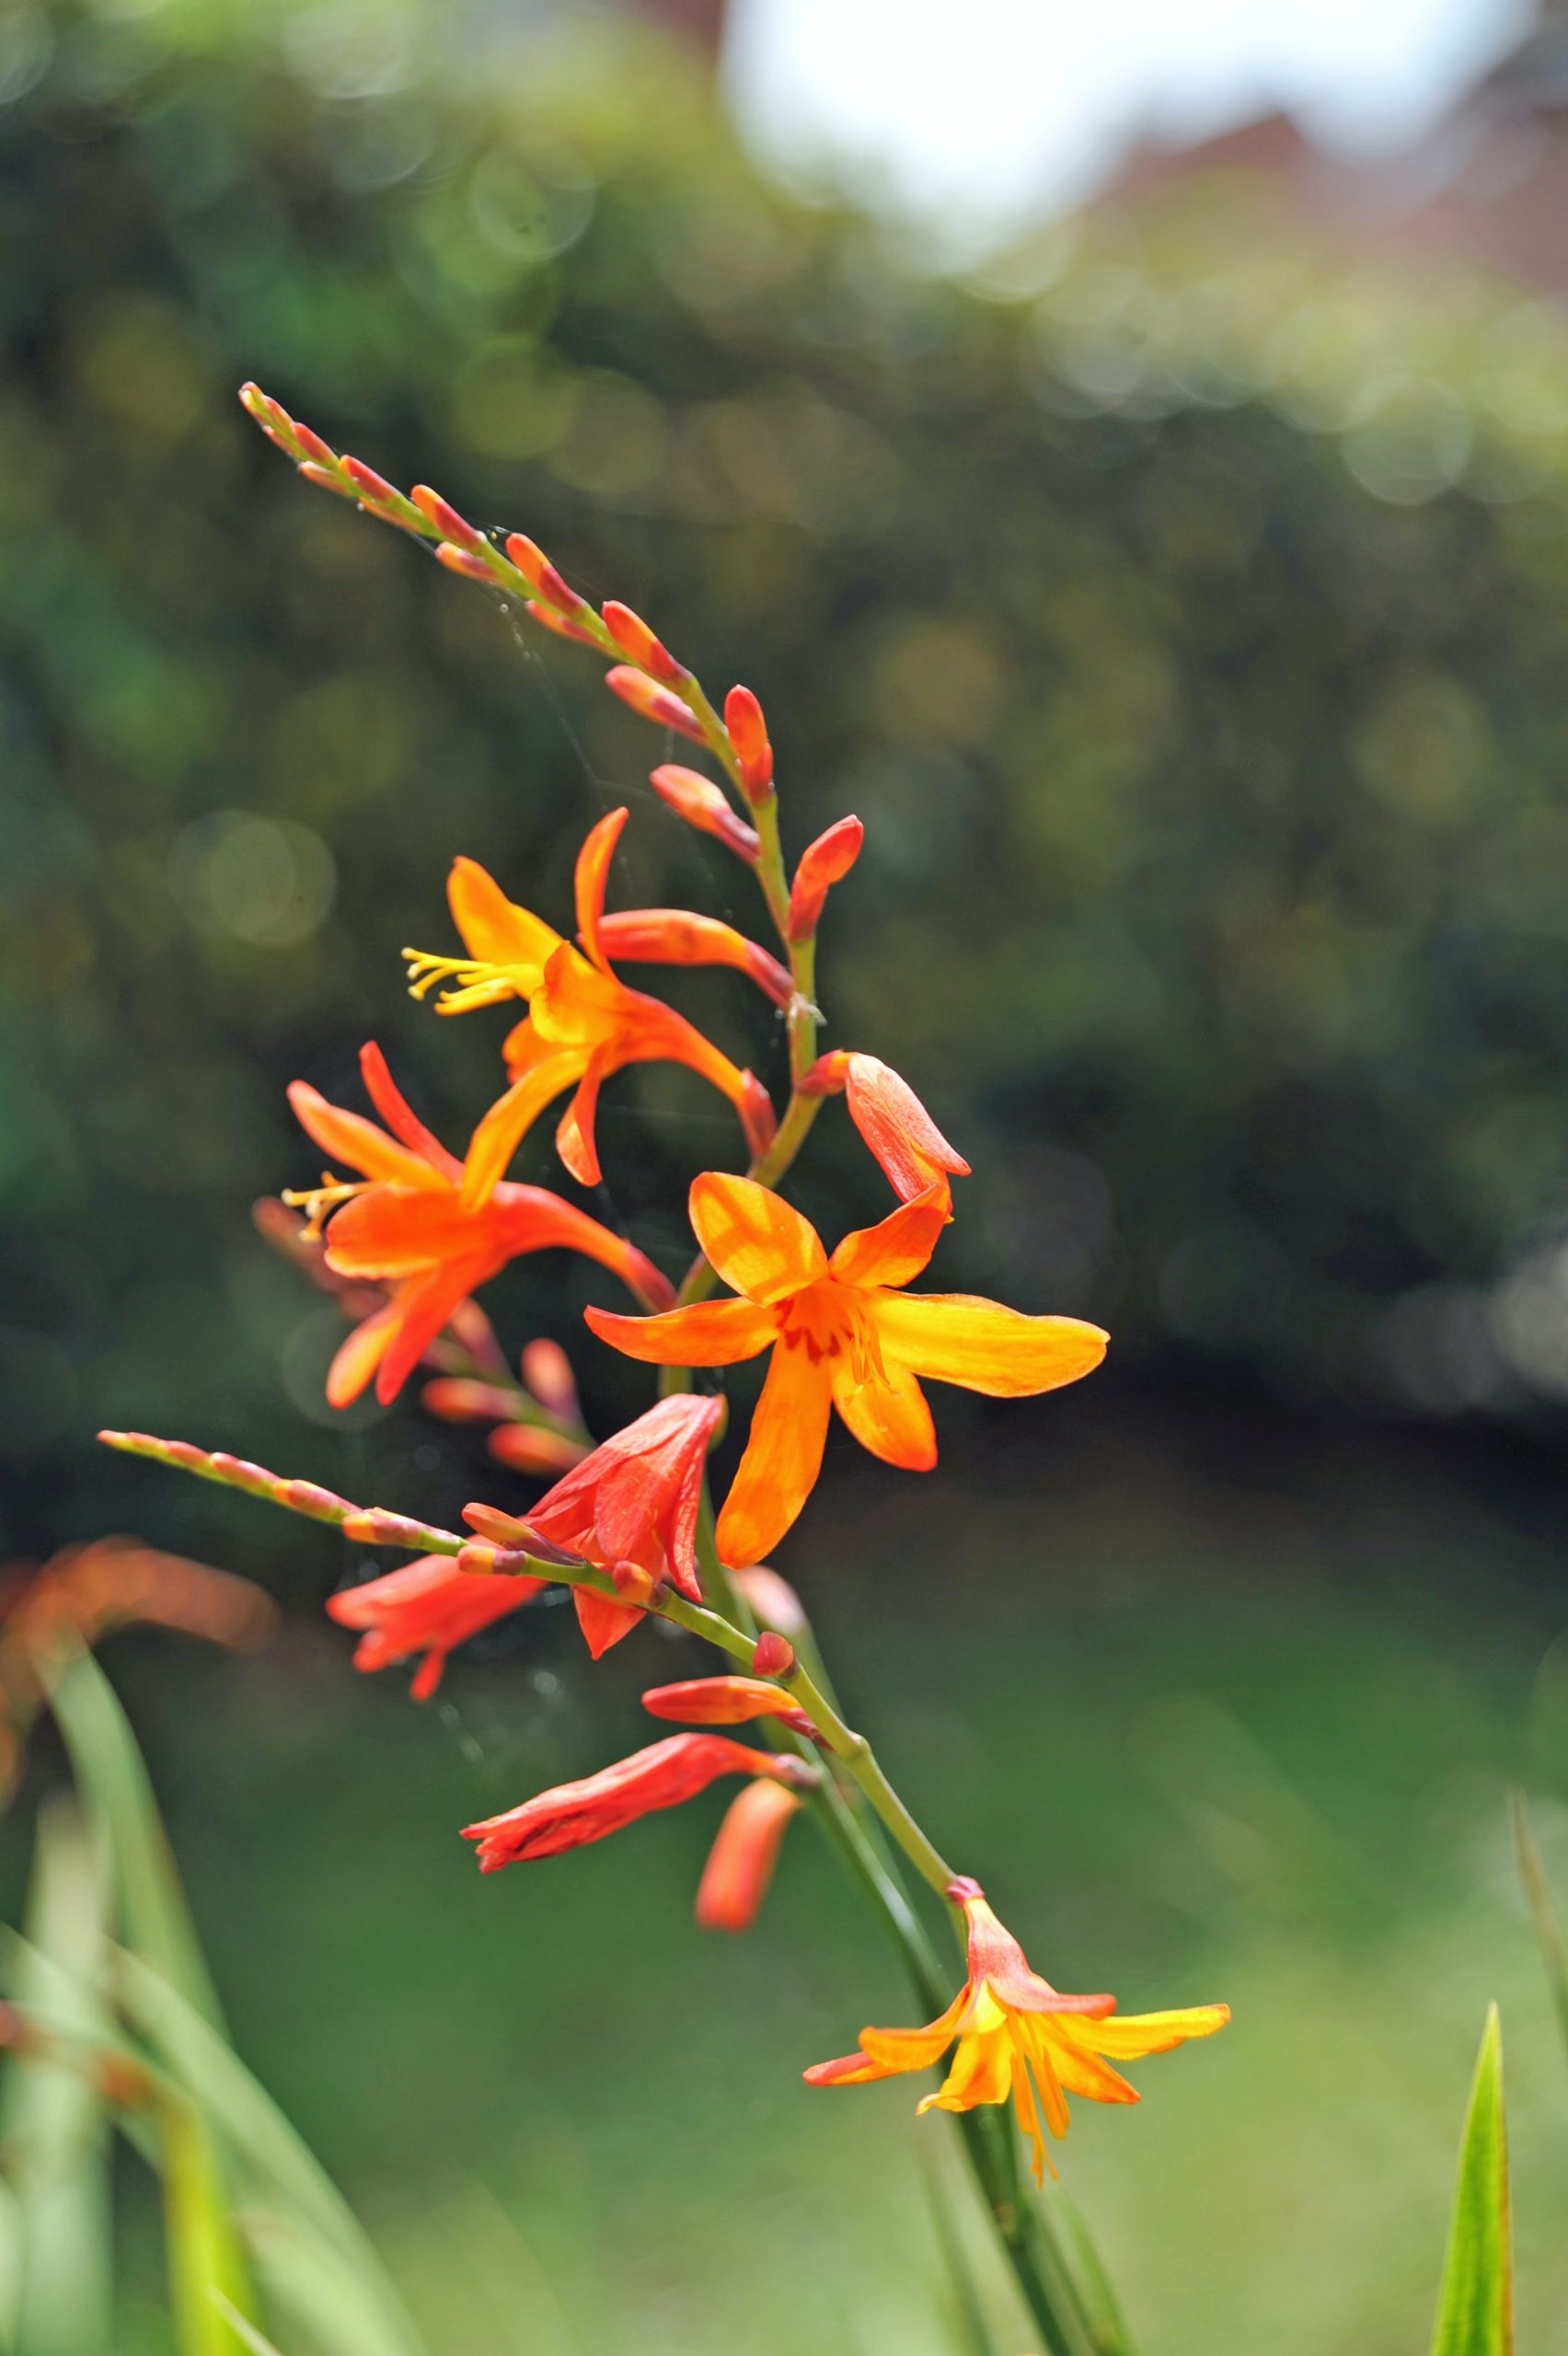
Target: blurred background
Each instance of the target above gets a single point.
(1132, 468)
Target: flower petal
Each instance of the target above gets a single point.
(358, 1356)
(424, 1305)
(710, 1333)
(350, 1139)
(887, 1413)
(955, 1337)
(593, 880)
(782, 1458)
(899, 1246)
(759, 1245)
(398, 1231)
(399, 1115)
(575, 1140)
(908, 1143)
(1129, 2036)
(495, 930)
(981, 2071)
(507, 1123)
(603, 1622)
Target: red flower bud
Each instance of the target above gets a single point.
(739, 1864)
(455, 560)
(634, 637)
(548, 620)
(547, 1370)
(325, 479)
(718, 1701)
(824, 862)
(448, 522)
(773, 1656)
(314, 446)
(702, 805)
(458, 1400)
(675, 937)
(641, 694)
(543, 578)
(758, 1118)
(664, 1775)
(748, 734)
(368, 483)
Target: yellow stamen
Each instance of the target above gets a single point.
(478, 984)
(320, 1202)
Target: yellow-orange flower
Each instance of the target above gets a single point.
(582, 1022)
(1019, 2037)
(844, 1334)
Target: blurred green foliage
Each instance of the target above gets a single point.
(1187, 625)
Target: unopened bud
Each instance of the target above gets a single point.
(634, 1586)
(773, 1656)
(643, 695)
(757, 1116)
(455, 560)
(739, 1864)
(702, 805)
(547, 1370)
(557, 623)
(748, 734)
(370, 486)
(826, 1076)
(325, 479)
(524, 1448)
(314, 446)
(448, 522)
(457, 1400)
(547, 583)
(823, 863)
(634, 637)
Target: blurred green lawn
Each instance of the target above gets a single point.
(1249, 1741)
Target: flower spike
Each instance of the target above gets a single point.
(665, 1774)
(1018, 2037)
(844, 1334)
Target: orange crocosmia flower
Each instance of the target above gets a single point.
(629, 1509)
(405, 1221)
(582, 1022)
(844, 1334)
(746, 1850)
(911, 1149)
(1018, 2036)
(427, 1606)
(661, 1776)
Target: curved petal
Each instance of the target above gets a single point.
(358, 1356)
(887, 1413)
(495, 930)
(899, 1246)
(424, 1305)
(398, 1231)
(710, 1333)
(575, 1140)
(1078, 2067)
(848, 2069)
(677, 937)
(349, 1138)
(897, 2050)
(593, 880)
(902, 1134)
(955, 1337)
(530, 1218)
(399, 1115)
(1129, 2038)
(760, 1244)
(981, 2071)
(507, 1123)
(782, 1458)
(603, 1622)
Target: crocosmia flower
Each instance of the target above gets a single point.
(582, 1022)
(427, 1606)
(664, 1775)
(1018, 2036)
(629, 1509)
(843, 1333)
(404, 1222)
(911, 1149)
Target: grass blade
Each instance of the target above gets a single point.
(1547, 1923)
(1475, 2309)
(206, 2273)
(54, 2120)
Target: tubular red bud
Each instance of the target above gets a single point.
(547, 1370)
(702, 805)
(636, 640)
(823, 863)
(448, 522)
(370, 486)
(746, 1850)
(457, 1400)
(314, 446)
(758, 1118)
(675, 937)
(718, 1701)
(543, 578)
(642, 695)
(455, 560)
(562, 627)
(773, 1656)
(523, 1448)
(826, 1076)
(325, 479)
(748, 734)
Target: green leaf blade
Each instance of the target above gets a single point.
(1475, 2308)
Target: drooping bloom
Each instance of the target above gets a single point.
(844, 1334)
(405, 1221)
(664, 1775)
(582, 1022)
(911, 1149)
(745, 1849)
(427, 1606)
(629, 1509)
(1018, 2036)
